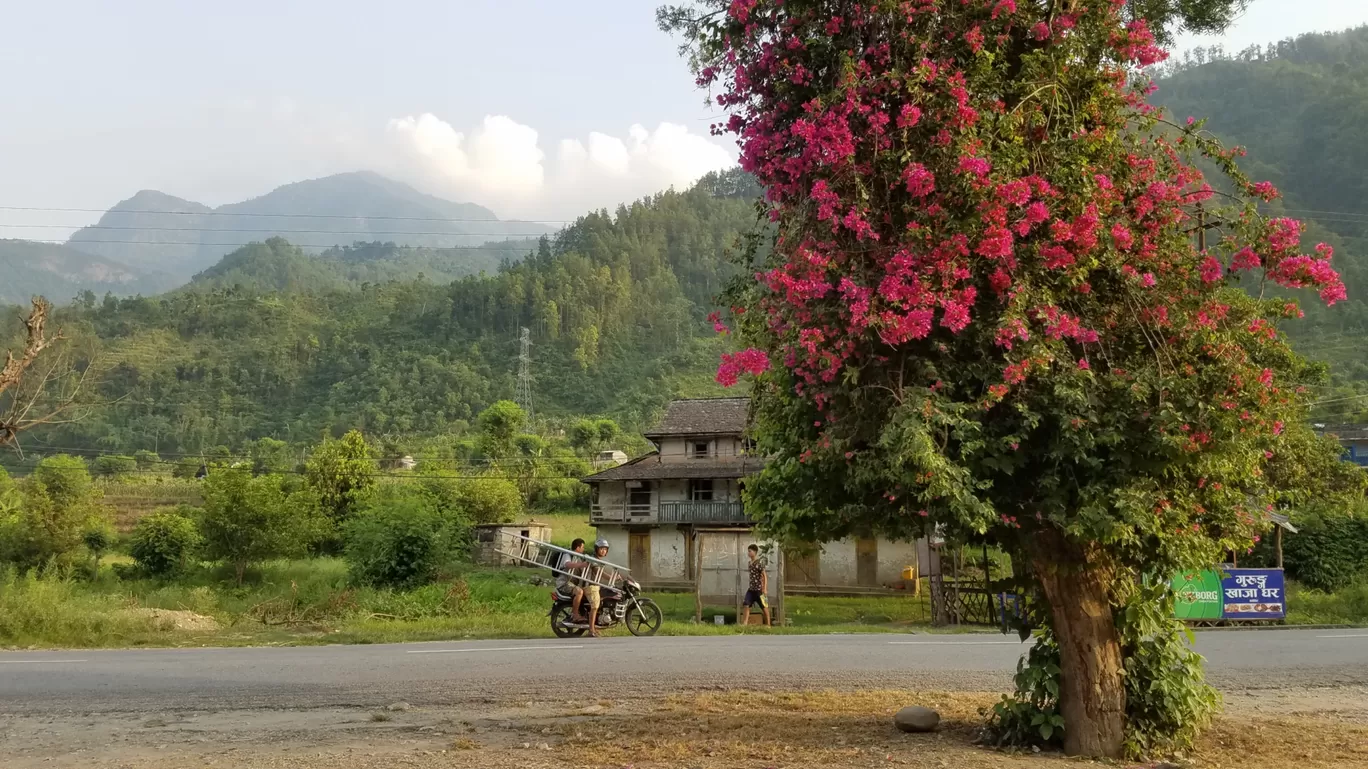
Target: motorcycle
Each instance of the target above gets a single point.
(626, 607)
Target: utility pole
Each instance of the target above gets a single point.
(1201, 229)
(525, 372)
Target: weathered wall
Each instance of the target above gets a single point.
(617, 544)
(668, 554)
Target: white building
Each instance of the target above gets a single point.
(648, 508)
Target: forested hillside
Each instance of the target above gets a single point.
(273, 343)
(1300, 108)
(61, 272)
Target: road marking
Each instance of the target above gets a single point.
(1350, 635)
(954, 643)
(500, 649)
(40, 662)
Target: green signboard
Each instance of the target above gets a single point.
(1198, 596)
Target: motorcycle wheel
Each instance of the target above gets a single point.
(644, 618)
(560, 614)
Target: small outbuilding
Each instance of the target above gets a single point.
(489, 535)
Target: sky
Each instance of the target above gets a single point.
(538, 109)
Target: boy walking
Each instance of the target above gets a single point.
(759, 588)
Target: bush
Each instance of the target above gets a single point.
(146, 460)
(164, 542)
(490, 500)
(44, 519)
(401, 539)
(114, 466)
(1330, 550)
(249, 519)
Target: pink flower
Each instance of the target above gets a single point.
(1266, 377)
(920, 182)
(1278, 427)
(1083, 365)
(1004, 7)
(748, 361)
(1147, 279)
(1264, 191)
(1211, 270)
(1041, 31)
(909, 116)
(715, 318)
(1122, 236)
(976, 166)
(1245, 259)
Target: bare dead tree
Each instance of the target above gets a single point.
(40, 383)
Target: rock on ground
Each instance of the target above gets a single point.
(917, 719)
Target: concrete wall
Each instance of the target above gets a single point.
(618, 551)
(668, 554)
(838, 564)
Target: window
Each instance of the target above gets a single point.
(639, 499)
(701, 491)
(699, 450)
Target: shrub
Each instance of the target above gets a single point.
(1330, 550)
(164, 542)
(98, 537)
(114, 466)
(401, 539)
(490, 500)
(146, 460)
(44, 519)
(248, 519)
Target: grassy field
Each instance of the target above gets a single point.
(310, 602)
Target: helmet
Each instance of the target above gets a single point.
(603, 543)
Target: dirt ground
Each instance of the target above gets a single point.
(1302, 728)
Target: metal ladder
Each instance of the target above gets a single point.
(534, 552)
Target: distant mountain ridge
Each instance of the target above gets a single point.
(153, 231)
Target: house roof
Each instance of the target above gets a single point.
(702, 416)
(1345, 432)
(650, 467)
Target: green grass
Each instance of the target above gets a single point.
(1348, 606)
(311, 602)
(567, 527)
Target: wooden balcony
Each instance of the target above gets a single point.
(702, 512)
(619, 513)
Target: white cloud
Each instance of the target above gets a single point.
(501, 164)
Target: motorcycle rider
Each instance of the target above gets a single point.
(565, 583)
(591, 591)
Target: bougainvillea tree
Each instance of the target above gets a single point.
(996, 294)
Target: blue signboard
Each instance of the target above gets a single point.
(1248, 594)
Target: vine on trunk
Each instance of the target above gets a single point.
(995, 294)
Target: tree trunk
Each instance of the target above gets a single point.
(1092, 695)
(240, 571)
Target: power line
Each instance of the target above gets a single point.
(266, 230)
(284, 216)
(484, 246)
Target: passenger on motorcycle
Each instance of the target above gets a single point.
(591, 592)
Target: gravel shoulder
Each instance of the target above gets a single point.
(1311, 728)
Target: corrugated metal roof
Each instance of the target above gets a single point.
(702, 416)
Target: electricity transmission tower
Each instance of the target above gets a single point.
(525, 372)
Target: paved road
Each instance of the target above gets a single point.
(451, 673)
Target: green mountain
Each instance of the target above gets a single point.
(271, 342)
(60, 273)
(1300, 108)
(278, 265)
(155, 231)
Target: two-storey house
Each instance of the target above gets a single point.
(648, 508)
